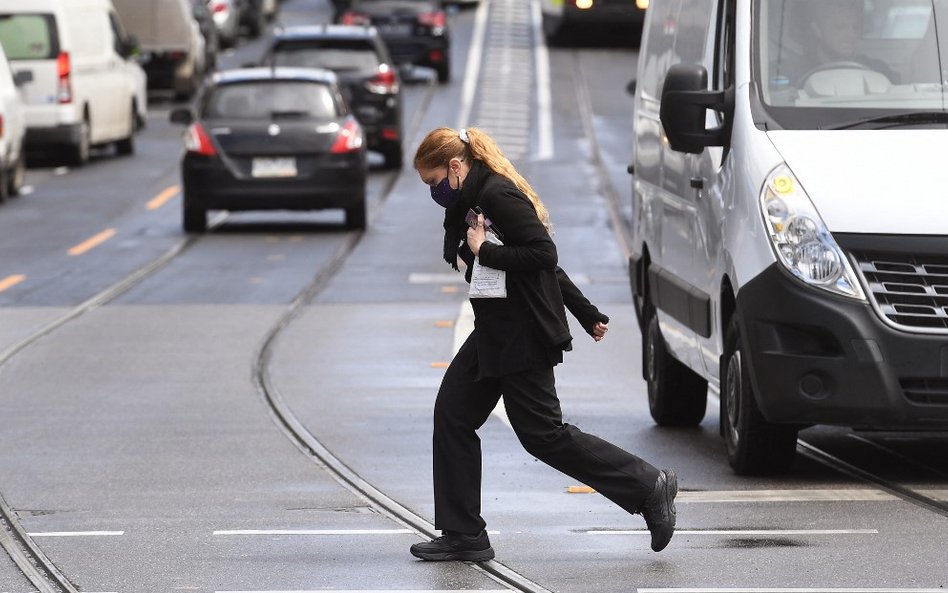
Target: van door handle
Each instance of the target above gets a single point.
(697, 183)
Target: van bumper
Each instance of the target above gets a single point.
(819, 359)
(41, 137)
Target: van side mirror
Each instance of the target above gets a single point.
(685, 101)
(181, 115)
(129, 47)
(630, 88)
(22, 77)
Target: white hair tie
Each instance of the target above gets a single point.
(463, 136)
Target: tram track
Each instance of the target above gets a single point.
(21, 548)
(623, 236)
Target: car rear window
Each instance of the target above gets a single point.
(29, 36)
(272, 100)
(337, 55)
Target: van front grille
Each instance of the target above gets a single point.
(911, 291)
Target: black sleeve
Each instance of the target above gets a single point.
(527, 244)
(576, 302)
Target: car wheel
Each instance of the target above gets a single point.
(754, 445)
(355, 216)
(444, 72)
(194, 219)
(126, 146)
(4, 184)
(394, 158)
(18, 177)
(79, 152)
(677, 396)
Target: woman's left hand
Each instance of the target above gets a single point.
(476, 235)
(599, 331)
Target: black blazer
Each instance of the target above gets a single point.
(529, 257)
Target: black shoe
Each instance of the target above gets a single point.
(659, 509)
(455, 546)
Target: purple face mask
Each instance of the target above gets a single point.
(445, 195)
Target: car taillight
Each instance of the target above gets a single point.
(63, 71)
(385, 82)
(349, 137)
(1, 126)
(351, 17)
(434, 19)
(219, 7)
(197, 141)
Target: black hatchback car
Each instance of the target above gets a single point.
(271, 139)
(415, 31)
(366, 73)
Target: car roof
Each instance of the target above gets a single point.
(325, 32)
(275, 73)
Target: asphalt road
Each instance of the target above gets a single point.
(143, 435)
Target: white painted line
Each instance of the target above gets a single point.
(790, 590)
(314, 532)
(379, 591)
(813, 495)
(544, 99)
(743, 532)
(421, 278)
(75, 533)
(473, 69)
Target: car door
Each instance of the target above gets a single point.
(716, 177)
(99, 76)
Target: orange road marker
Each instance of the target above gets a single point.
(11, 281)
(162, 198)
(92, 242)
(440, 365)
(444, 323)
(449, 289)
(580, 490)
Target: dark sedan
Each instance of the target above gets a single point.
(271, 139)
(415, 31)
(366, 72)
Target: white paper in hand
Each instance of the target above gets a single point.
(488, 283)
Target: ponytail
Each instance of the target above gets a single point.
(443, 144)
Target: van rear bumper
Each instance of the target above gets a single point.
(63, 134)
(820, 359)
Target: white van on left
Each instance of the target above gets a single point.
(12, 129)
(82, 89)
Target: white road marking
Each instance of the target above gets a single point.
(314, 532)
(75, 533)
(379, 591)
(790, 590)
(811, 495)
(742, 532)
(421, 278)
(544, 97)
(473, 69)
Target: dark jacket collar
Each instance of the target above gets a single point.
(455, 229)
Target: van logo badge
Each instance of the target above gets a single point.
(273, 130)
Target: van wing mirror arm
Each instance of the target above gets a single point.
(684, 117)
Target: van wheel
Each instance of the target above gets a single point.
(754, 445)
(79, 152)
(4, 185)
(444, 72)
(18, 177)
(394, 158)
(677, 396)
(194, 220)
(126, 146)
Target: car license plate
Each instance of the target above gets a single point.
(395, 29)
(274, 167)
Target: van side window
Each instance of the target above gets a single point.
(29, 36)
(724, 47)
(694, 23)
(660, 36)
(118, 35)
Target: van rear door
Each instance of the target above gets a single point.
(32, 45)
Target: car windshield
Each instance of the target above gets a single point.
(846, 63)
(28, 36)
(271, 100)
(323, 55)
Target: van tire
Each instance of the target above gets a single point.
(394, 157)
(677, 396)
(194, 220)
(356, 215)
(754, 445)
(17, 177)
(79, 152)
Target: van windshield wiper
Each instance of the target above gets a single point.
(914, 117)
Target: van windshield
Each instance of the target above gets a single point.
(849, 63)
(26, 36)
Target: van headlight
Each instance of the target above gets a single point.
(802, 243)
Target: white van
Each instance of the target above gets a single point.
(790, 238)
(12, 130)
(84, 89)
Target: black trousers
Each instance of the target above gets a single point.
(463, 406)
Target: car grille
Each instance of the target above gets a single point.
(910, 291)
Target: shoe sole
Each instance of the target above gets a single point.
(472, 556)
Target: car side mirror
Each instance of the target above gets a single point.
(129, 47)
(685, 101)
(22, 77)
(181, 115)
